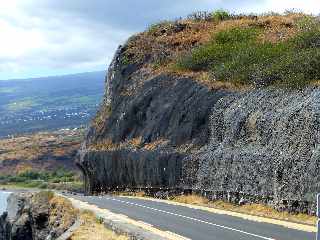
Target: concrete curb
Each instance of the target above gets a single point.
(121, 224)
(133, 232)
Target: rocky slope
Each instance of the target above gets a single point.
(162, 128)
(145, 134)
(37, 216)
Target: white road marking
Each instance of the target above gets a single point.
(191, 218)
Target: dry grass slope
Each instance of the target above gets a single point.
(92, 229)
(62, 209)
(26, 152)
(163, 45)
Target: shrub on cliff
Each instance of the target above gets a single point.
(241, 55)
(220, 15)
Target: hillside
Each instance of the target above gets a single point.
(227, 104)
(41, 104)
(40, 152)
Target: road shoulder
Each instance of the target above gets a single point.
(124, 225)
(291, 225)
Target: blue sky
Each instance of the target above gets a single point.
(54, 37)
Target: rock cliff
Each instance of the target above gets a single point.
(262, 142)
(160, 128)
(38, 216)
(144, 135)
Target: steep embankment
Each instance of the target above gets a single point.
(222, 103)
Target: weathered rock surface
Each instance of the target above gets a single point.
(257, 143)
(133, 169)
(167, 112)
(262, 142)
(30, 218)
(5, 227)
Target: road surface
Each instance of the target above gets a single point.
(192, 223)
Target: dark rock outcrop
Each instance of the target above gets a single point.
(265, 143)
(154, 109)
(132, 168)
(17, 221)
(29, 217)
(258, 144)
(5, 227)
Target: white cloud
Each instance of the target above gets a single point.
(51, 36)
(32, 43)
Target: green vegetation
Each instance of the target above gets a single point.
(216, 16)
(125, 60)
(240, 55)
(59, 179)
(220, 15)
(153, 28)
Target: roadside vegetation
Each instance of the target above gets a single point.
(92, 228)
(60, 209)
(60, 179)
(237, 50)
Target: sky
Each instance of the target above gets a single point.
(56, 37)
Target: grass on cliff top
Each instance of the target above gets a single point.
(93, 229)
(241, 56)
(233, 50)
(252, 209)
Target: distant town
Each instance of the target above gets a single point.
(33, 105)
(32, 121)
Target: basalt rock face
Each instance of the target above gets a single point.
(130, 169)
(17, 223)
(5, 227)
(262, 143)
(30, 217)
(168, 117)
(161, 130)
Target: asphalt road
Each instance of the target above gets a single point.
(192, 223)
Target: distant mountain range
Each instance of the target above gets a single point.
(37, 104)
